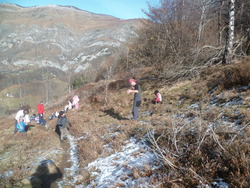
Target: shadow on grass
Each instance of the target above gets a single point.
(114, 114)
(46, 173)
(28, 127)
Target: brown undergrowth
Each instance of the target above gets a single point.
(197, 154)
(20, 152)
(194, 146)
(193, 154)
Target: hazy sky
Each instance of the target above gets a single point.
(125, 9)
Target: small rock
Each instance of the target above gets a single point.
(79, 179)
(25, 182)
(168, 110)
(119, 184)
(124, 177)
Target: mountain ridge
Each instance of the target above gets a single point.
(71, 40)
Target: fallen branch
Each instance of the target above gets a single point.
(231, 141)
(160, 152)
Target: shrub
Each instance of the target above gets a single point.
(198, 155)
(231, 76)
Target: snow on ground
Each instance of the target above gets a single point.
(74, 169)
(117, 169)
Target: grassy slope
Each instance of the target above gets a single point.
(185, 148)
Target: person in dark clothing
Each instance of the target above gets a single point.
(137, 97)
(40, 110)
(61, 123)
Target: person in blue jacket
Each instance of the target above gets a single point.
(61, 123)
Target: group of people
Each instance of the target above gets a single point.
(22, 117)
(72, 103)
(135, 88)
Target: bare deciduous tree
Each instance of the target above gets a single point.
(181, 38)
(227, 58)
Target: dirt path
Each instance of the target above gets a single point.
(64, 164)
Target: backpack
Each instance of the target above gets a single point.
(21, 126)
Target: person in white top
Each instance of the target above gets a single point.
(22, 115)
(69, 106)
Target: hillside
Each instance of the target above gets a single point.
(50, 46)
(198, 137)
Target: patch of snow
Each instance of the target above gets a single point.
(74, 169)
(105, 43)
(194, 106)
(219, 183)
(22, 62)
(111, 169)
(5, 62)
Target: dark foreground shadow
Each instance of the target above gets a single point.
(28, 127)
(46, 173)
(114, 114)
(57, 130)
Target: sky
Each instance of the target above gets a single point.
(124, 9)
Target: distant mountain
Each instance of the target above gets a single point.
(56, 40)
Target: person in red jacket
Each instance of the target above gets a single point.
(40, 109)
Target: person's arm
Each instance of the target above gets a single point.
(26, 119)
(68, 122)
(132, 91)
(18, 116)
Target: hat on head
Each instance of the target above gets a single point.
(131, 80)
(61, 113)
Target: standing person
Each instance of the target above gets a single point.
(75, 102)
(40, 109)
(61, 123)
(21, 116)
(158, 98)
(137, 97)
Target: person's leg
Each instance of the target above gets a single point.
(66, 133)
(62, 130)
(40, 118)
(135, 110)
(76, 106)
(15, 128)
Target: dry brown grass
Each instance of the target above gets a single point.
(21, 151)
(228, 77)
(200, 154)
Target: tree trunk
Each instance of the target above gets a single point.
(202, 20)
(220, 30)
(227, 58)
